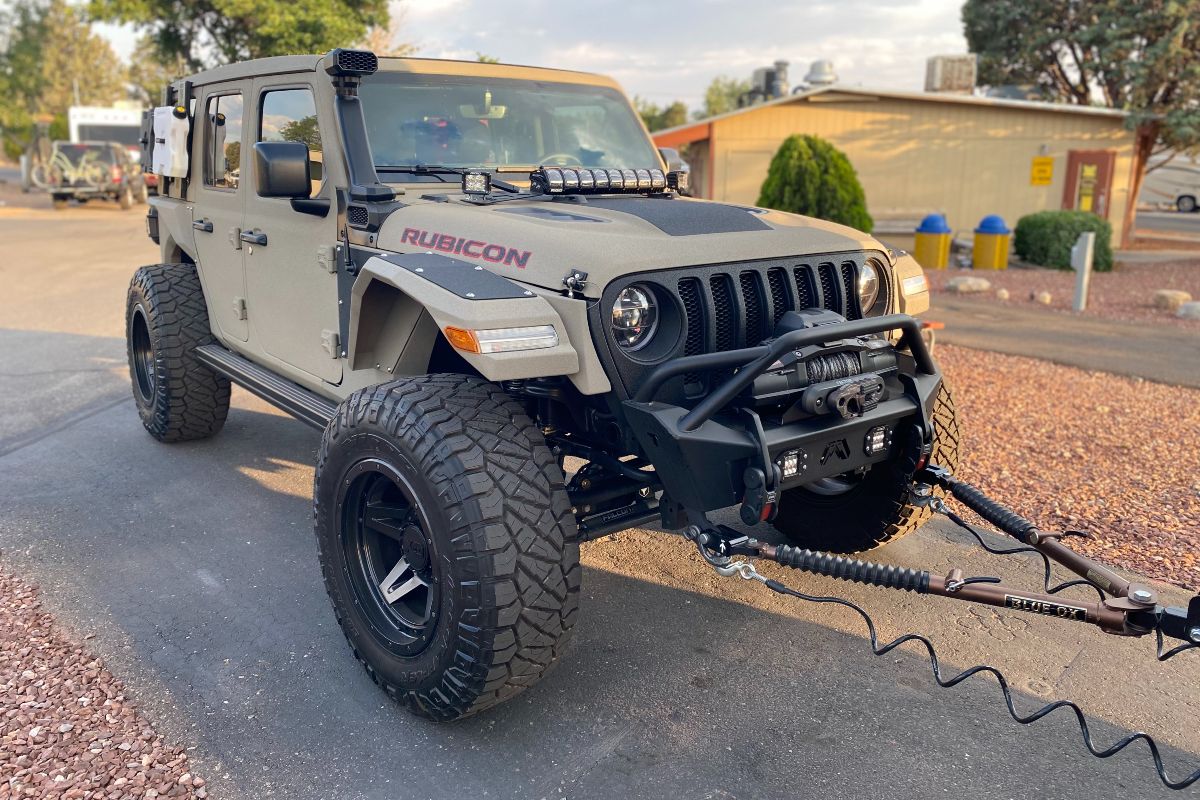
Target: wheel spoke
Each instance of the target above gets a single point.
(393, 592)
(387, 519)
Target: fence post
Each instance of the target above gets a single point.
(1081, 261)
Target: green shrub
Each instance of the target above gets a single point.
(1046, 238)
(812, 177)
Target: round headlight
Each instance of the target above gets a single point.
(634, 317)
(868, 286)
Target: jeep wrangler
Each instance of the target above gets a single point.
(466, 273)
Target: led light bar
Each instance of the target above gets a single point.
(477, 182)
(582, 180)
(503, 340)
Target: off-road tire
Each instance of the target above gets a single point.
(182, 400)
(125, 199)
(876, 511)
(502, 533)
(143, 195)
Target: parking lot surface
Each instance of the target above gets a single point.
(194, 567)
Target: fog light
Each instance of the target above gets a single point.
(476, 182)
(792, 463)
(877, 440)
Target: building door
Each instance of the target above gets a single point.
(1089, 181)
(291, 291)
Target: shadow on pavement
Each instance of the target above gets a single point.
(200, 559)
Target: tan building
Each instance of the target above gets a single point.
(918, 153)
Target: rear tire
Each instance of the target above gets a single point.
(876, 509)
(1186, 204)
(166, 319)
(443, 484)
(59, 203)
(125, 198)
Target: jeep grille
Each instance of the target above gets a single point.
(729, 306)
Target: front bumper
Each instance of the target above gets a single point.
(701, 454)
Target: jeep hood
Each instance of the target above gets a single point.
(540, 241)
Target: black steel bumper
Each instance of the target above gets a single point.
(700, 454)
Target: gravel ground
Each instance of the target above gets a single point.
(1115, 457)
(66, 728)
(1126, 293)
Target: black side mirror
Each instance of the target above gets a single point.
(281, 169)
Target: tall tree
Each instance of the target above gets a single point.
(210, 32)
(657, 118)
(1143, 58)
(150, 71)
(722, 96)
(49, 60)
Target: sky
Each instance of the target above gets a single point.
(666, 50)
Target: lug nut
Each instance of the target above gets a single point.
(1141, 595)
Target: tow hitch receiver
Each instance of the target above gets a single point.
(1121, 606)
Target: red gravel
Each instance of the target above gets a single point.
(1126, 293)
(66, 728)
(1116, 457)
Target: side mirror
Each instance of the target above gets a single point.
(281, 169)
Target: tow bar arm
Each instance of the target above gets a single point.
(1122, 607)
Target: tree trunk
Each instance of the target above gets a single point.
(1145, 139)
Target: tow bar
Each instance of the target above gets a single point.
(1122, 607)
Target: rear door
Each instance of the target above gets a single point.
(220, 197)
(291, 286)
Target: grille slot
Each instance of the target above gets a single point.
(830, 297)
(805, 294)
(777, 281)
(752, 299)
(693, 343)
(357, 216)
(849, 290)
(361, 62)
(724, 313)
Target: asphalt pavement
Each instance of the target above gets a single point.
(194, 567)
(1170, 221)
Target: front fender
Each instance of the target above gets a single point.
(397, 299)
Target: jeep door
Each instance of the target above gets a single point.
(290, 283)
(217, 206)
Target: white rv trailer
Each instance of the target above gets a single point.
(1175, 183)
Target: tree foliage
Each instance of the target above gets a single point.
(1141, 57)
(206, 33)
(150, 72)
(657, 118)
(49, 61)
(810, 176)
(722, 95)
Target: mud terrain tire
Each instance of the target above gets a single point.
(166, 319)
(876, 510)
(471, 488)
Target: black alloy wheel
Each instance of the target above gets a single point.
(392, 560)
(141, 354)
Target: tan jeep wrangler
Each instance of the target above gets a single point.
(465, 273)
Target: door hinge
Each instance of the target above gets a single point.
(330, 341)
(235, 238)
(239, 307)
(327, 257)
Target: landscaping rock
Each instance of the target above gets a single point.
(1043, 297)
(1170, 299)
(968, 284)
(1002, 294)
(1189, 311)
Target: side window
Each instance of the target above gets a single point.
(223, 141)
(290, 115)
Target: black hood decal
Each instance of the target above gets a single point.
(683, 217)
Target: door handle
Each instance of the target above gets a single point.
(203, 225)
(254, 237)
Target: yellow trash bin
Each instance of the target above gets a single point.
(991, 244)
(931, 248)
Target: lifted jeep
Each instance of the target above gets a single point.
(464, 274)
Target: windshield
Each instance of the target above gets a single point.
(484, 122)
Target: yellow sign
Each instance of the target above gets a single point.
(1041, 172)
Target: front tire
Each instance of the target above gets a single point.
(849, 516)
(447, 542)
(166, 318)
